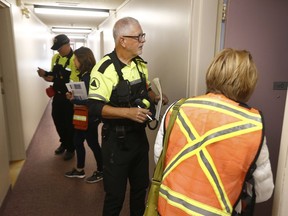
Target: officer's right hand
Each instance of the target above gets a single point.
(41, 72)
(139, 114)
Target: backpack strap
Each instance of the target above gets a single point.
(116, 64)
(123, 88)
(160, 164)
(68, 60)
(57, 59)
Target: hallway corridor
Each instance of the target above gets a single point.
(42, 189)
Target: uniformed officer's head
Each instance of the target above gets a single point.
(61, 43)
(129, 37)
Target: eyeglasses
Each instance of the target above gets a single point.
(140, 37)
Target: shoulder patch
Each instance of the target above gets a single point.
(104, 65)
(94, 83)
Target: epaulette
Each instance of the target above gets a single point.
(104, 65)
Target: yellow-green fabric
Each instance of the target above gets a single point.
(102, 84)
(70, 67)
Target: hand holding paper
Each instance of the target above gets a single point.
(78, 89)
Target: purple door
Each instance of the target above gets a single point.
(261, 26)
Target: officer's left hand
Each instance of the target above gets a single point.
(164, 99)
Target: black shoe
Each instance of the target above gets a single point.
(97, 176)
(75, 174)
(68, 155)
(60, 150)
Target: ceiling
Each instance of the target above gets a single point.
(68, 21)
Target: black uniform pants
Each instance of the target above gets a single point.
(124, 160)
(91, 136)
(62, 114)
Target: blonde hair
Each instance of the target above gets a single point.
(232, 73)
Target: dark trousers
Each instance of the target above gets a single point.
(62, 114)
(124, 160)
(91, 136)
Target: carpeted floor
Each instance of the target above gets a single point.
(42, 189)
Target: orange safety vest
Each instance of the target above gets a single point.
(80, 117)
(213, 144)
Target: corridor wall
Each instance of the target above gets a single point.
(25, 46)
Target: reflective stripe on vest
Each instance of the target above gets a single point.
(79, 117)
(197, 154)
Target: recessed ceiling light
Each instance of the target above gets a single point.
(67, 3)
(70, 11)
(71, 30)
(77, 36)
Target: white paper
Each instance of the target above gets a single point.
(78, 89)
(159, 104)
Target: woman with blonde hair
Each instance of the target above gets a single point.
(217, 161)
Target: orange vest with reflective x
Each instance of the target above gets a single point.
(211, 148)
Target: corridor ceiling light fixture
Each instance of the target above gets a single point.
(71, 30)
(71, 11)
(81, 37)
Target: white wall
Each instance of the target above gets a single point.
(4, 154)
(25, 44)
(32, 43)
(4, 57)
(4, 159)
(280, 207)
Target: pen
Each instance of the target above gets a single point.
(149, 117)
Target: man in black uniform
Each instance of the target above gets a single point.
(119, 87)
(62, 71)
